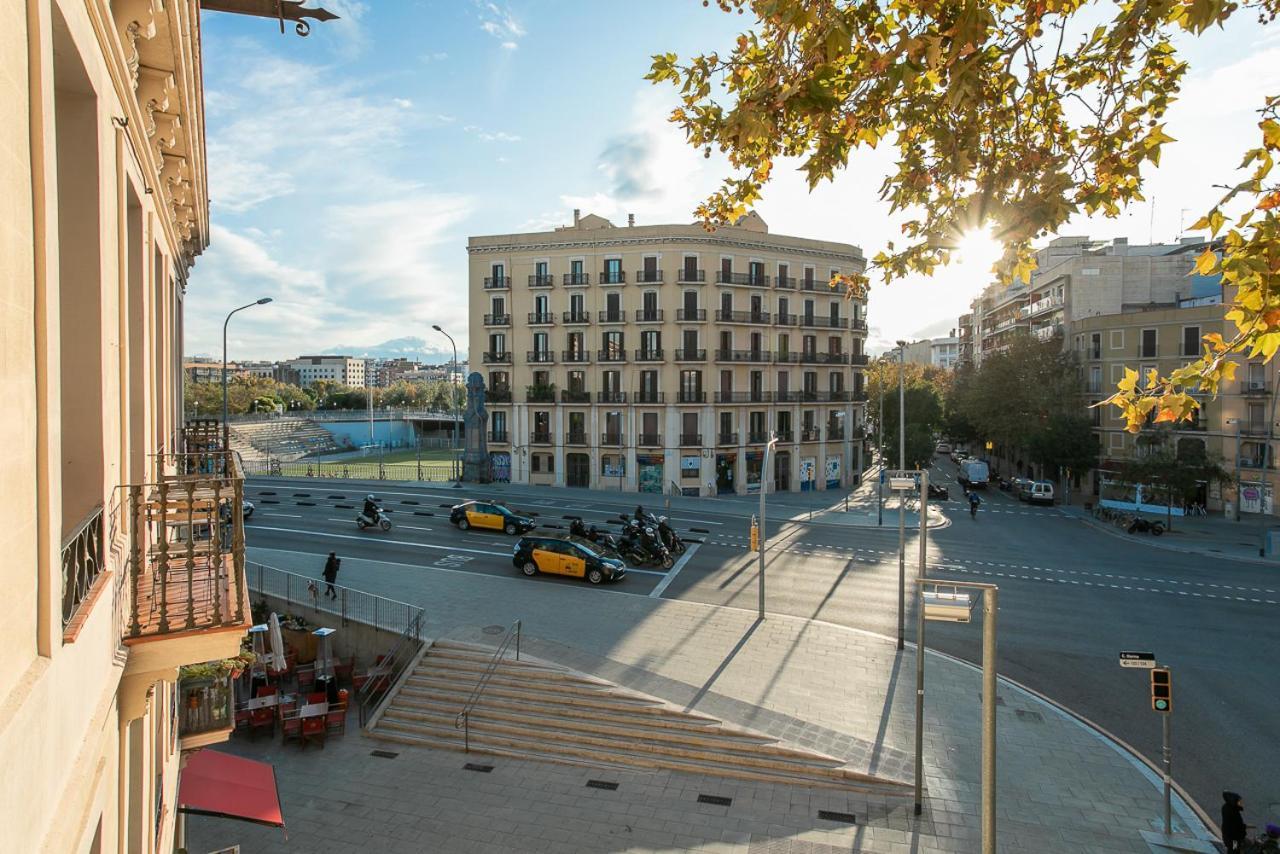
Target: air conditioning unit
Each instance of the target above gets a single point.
(1257, 385)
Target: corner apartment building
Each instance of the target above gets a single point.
(662, 358)
(347, 370)
(102, 172)
(942, 352)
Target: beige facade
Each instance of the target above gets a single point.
(103, 209)
(343, 369)
(661, 358)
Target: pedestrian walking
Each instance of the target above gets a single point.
(331, 574)
(1233, 828)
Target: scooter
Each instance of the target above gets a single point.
(603, 542)
(1144, 526)
(642, 544)
(670, 538)
(382, 522)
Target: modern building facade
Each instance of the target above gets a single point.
(941, 352)
(662, 358)
(347, 370)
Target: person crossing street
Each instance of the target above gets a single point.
(331, 567)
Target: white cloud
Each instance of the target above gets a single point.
(499, 136)
(438, 56)
(500, 23)
(402, 103)
(509, 45)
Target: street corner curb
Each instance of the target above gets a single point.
(1111, 531)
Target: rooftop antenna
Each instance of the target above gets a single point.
(1182, 219)
(1151, 224)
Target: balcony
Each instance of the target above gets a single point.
(691, 397)
(579, 357)
(541, 280)
(490, 357)
(83, 558)
(688, 275)
(611, 397)
(575, 396)
(816, 322)
(497, 320)
(691, 440)
(726, 438)
(497, 395)
(786, 357)
(861, 396)
(726, 316)
(811, 434)
(575, 317)
(648, 315)
(839, 395)
(858, 359)
(206, 714)
(749, 279)
(691, 315)
(643, 396)
(612, 440)
(744, 397)
(541, 357)
(613, 316)
(497, 283)
(649, 277)
(835, 433)
(759, 437)
(824, 359)
(812, 396)
(744, 356)
(858, 324)
(1254, 388)
(649, 440)
(187, 597)
(649, 355)
(576, 437)
(540, 437)
(618, 355)
(786, 282)
(540, 394)
(499, 437)
(691, 355)
(613, 277)
(576, 280)
(544, 318)
(784, 318)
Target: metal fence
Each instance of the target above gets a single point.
(305, 595)
(436, 472)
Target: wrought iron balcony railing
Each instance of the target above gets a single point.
(726, 316)
(819, 322)
(541, 357)
(497, 395)
(618, 355)
(744, 355)
(643, 396)
(786, 282)
(691, 315)
(613, 316)
(691, 275)
(723, 278)
(759, 396)
(576, 437)
(497, 320)
(683, 355)
(492, 283)
(545, 280)
(649, 277)
(726, 438)
(577, 280)
(540, 437)
(613, 277)
(649, 440)
(611, 397)
(83, 559)
(612, 440)
(575, 396)
(691, 397)
(649, 356)
(576, 355)
(689, 440)
(576, 317)
(810, 434)
(648, 315)
(541, 318)
(497, 358)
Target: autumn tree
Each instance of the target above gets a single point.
(1007, 115)
(1174, 476)
(923, 388)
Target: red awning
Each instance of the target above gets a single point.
(220, 784)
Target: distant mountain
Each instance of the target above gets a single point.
(410, 347)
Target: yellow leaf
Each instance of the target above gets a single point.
(1153, 378)
(1130, 382)
(1206, 262)
(1270, 133)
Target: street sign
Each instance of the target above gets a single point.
(990, 444)
(1144, 660)
(906, 483)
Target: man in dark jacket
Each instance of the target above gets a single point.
(331, 574)
(1233, 829)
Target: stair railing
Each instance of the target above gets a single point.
(463, 720)
(386, 674)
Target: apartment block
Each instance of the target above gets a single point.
(663, 358)
(347, 370)
(942, 352)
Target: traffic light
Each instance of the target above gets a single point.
(755, 535)
(1161, 690)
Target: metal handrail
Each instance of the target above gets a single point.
(463, 720)
(388, 671)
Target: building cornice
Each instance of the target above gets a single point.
(661, 240)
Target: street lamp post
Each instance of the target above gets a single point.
(1239, 488)
(453, 400)
(880, 449)
(902, 497)
(226, 430)
(764, 489)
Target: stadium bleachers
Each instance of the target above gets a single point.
(282, 438)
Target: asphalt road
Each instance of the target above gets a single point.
(1071, 598)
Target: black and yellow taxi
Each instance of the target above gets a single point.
(489, 516)
(558, 556)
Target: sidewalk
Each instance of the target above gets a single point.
(1061, 785)
(1211, 536)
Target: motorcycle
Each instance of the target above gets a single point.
(382, 521)
(670, 538)
(1145, 526)
(641, 545)
(604, 543)
(938, 493)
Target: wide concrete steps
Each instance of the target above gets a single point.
(537, 710)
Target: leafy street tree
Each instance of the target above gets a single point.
(923, 387)
(1008, 115)
(1174, 476)
(262, 394)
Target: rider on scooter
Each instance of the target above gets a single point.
(974, 501)
(371, 509)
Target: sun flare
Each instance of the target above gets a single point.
(977, 248)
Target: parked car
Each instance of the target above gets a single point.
(1036, 492)
(957, 455)
(489, 516)
(558, 556)
(974, 474)
(943, 448)
(937, 492)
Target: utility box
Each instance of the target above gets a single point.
(1273, 542)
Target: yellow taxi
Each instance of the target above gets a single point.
(556, 556)
(489, 516)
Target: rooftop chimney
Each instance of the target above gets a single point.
(631, 220)
(577, 215)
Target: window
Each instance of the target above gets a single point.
(578, 381)
(612, 344)
(755, 272)
(498, 343)
(613, 305)
(651, 343)
(808, 312)
(1148, 350)
(810, 384)
(542, 423)
(833, 344)
(1256, 380)
(649, 425)
(757, 385)
(757, 307)
(651, 268)
(1116, 441)
(726, 304)
(1095, 345)
(691, 268)
(784, 384)
(688, 425)
(1095, 379)
(810, 343)
(808, 279)
(649, 385)
(577, 427)
(542, 463)
(1191, 340)
(726, 423)
(577, 305)
(499, 306)
(1117, 339)
(540, 305)
(540, 270)
(835, 314)
(577, 349)
(726, 269)
(726, 382)
(782, 274)
(835, 381)
(784, 307)
(690, 383)
(541, 345)
(784, 346)
(650, 303)
(499, 273)
(690, 303)
(757, 425)
(613, 270)
(690, 341)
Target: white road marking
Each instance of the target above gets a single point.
(366, 539)
(671, 574)
(273, 513)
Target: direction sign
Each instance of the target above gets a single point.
(907, 483)
(1144, 660)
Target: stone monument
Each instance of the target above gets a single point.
(475, 425)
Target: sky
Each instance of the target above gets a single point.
(348, 168)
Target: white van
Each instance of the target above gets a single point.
(1036, 492)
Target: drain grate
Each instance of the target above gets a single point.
(831, 815)
(483, 769)
(602, 784)
(718, 800)
(384, 754)
(1028, 715)
(494, 630)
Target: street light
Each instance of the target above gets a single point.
(226, 430)
(453, 400)
(764, 489)
(1239, 488)
(902, 496)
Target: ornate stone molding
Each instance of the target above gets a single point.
(135, 19)
(156, 91)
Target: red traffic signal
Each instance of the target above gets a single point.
(1161, 690)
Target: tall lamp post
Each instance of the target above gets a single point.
(902, 497)
(764, 489)
(453, 399)
(226, 430)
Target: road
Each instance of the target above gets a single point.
(1071, 598)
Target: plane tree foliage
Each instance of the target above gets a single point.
(263, 394)
(1006, 115)
(924, 387)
